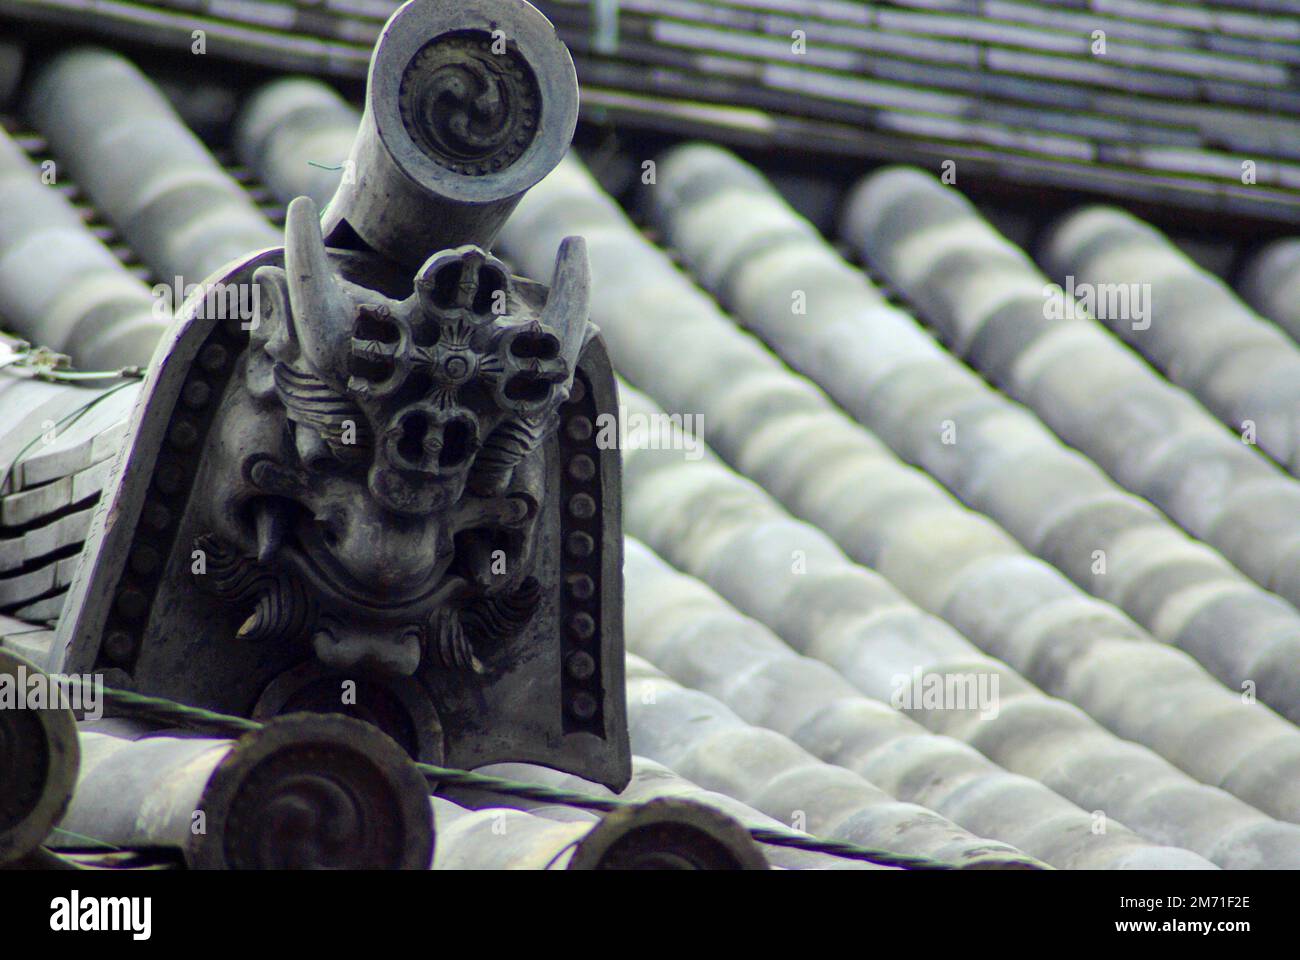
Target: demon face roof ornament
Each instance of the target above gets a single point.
(380, 491)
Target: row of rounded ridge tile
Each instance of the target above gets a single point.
(656, 835)
(790, 577)
(60, 287)
(143, 167)
(652, 780)
(263, 154)
(686, 630)
(667, 336)
(297, 134)
(1270, 282)
(503, 838)
(760, 258)
(1195, 329)
(324, 113)
(701, 739)
(987, 300)
(958, 566)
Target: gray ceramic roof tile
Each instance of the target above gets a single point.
(64, 532)
(59, 283)
(44, 610)
(554, 838)
(754, 672)
(1243, 368)
(216, 801)
(668, 337)
(87, 437)
(1270, 282)
(56, 451)
(830, 323)
(34, 409)
(503, 838)
(293, 131)
(28, 506)
(28, 640)
(652, 780)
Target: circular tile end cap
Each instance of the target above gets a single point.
(524, 70)
(315, 791)
(39, 760)
(668, 834)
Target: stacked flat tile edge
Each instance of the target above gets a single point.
(645, 309)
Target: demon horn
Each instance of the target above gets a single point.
(567, 306)
(314, 295)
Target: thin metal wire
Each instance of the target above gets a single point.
(66, 420)
(167, 711)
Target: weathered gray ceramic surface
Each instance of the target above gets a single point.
(652, 780)
(663, 833)
(700, 738)
(59, 285)
(144, 169)
(799, 732)
(827, 320)
(297, 134)
(451, 183)
(798, 584)
(985, 298)
(776, 427)
(57, 443)
(224, 804)
(767, 683)
(1193, 328)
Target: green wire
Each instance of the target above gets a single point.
(169, 711)
(67, 419)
